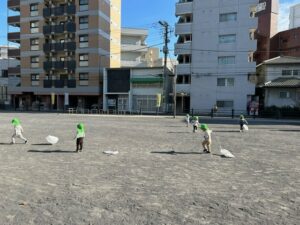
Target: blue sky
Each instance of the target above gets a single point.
(146, 14)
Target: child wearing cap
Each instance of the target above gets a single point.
(80, 134)
(187, 119)
(18, 131)
(195, 123)
(243, 121)
(206, 143)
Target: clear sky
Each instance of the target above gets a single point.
(146, 14)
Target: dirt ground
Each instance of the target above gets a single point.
(159, 177)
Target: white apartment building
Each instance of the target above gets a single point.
(134, 51)
(295, 16)
(215, 54)
(6, 81)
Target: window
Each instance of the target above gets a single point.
(225, 17)
(34, 61)
(184, 38)
(225, 104)
(83, 60)
(296, 72)
(83, 76)
(287, 72)
(252, 34)
(3, 92)
(84, 41)
(83, 79)
(34, 44)
(184, 79)
(34, 9)
(83, 5)
(225, 82)
(186, 19)
(35, 78)
(226, 60)
(184, 59)
(228, 38)
(4, 73)
(34, 27)
(83, 22)
(284, 94)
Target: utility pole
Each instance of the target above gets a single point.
(166, 52)
(174, 91)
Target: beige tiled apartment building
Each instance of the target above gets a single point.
(64, 45)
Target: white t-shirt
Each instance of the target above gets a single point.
(207, 135)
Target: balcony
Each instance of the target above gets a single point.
(183, 28)
(59, 11)
(13, 5)
(135, 48)
(13, 21)
(59, 83)
(48, 83)
(14, 37)
(71, 83)
(60, 65)
(14, 53)
(69, 27)
(14, 70)
(183, 8)
(183, 88)
(183, 48)
(56, 47)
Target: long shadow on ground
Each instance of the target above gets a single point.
(51, 151)
(42, 144)
(177, 153)
(185, 153)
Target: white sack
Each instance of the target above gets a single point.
(226, 153)
(111, 152)
(51, 139)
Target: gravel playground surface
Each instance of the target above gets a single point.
(160, 175)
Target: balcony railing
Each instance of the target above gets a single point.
(14, 21)
(14, 53)
(13, 4)
(184, 7)
(14, 36)
(68, 46)
(60, 83)
(60, 65)
(69, 27)
(59, 11)
(14, 70)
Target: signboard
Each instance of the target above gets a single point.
(158, 100)
(261, 7)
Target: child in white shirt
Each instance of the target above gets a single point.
(206, 143)
(18, 131)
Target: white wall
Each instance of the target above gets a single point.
(272, 97)
(206, 29)
(295, 16)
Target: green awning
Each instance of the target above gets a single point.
(146, 80)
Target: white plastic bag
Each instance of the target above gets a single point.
(52, 139)
(245, 127)
(111, 152)
(226, 153)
